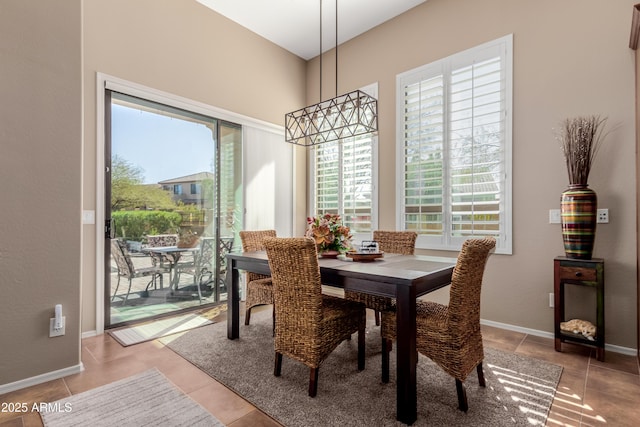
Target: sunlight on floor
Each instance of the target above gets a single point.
(530, 392)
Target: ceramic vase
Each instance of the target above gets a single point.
(578, 214)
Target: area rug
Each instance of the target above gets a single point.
(519, 389)
(146, 399)
(158, 328)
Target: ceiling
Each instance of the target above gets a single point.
(295, 24)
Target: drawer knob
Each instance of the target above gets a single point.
(578, 274)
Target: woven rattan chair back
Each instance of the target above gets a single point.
(450, 335)
(297, 294)
(308, 324)
(259, 286)
(466, 283)
(396, 242)
(253, 240)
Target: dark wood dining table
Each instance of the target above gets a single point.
(403, 277)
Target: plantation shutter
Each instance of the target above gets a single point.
(327, 168)
(454, 148)
(344, 183)
(424, 155)
(357, 182)
(475, 133)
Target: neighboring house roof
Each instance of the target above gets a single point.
(200, 176)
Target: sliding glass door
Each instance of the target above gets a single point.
(173, 208)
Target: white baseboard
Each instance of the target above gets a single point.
(609, 347)
(89, 334)
(43, 378)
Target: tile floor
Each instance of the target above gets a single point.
(590, 393)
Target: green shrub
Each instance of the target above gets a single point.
(134, 225)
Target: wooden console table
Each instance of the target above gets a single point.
(578, 272)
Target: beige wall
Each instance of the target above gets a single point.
(185, 49)
(571, 57)
(40, 166)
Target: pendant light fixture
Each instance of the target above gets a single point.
(354, 113)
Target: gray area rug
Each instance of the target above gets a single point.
(146, 399)
(519, 389)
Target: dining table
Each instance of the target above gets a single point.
(403, 277)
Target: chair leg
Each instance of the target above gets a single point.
(385, 360)
(116, 291)
(376, 314)
(480, 375)
(247, 316)
(361, 344)
(197, 283)
(273, 320)
(128, 290)
(313, 381)
(462, 396)
(277, 368)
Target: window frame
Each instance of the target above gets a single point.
(371, 90)
(445, 66)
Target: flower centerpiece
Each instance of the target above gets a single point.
(330, 235)
(580, 138)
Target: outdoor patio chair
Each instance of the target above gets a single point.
(450, 335)
(202, 267)
(127, 269)
(259, 286)
(309, 325)
(160, 240)
(395, 242)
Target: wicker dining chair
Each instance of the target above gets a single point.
(309, 325)
(259, 286)
(450, 335)
(395, 242)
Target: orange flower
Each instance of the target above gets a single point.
(322, 234)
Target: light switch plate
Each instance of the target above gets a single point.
(88, 217)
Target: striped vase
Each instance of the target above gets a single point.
(578, 213)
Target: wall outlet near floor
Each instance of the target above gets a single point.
(56, 332)
(603, 216)
(551, 300)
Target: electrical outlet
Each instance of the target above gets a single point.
(551, 300)
(53, 332)
(603, 216)
(554, 216)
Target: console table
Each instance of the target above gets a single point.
(578, 272)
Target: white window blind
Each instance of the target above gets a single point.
(343, 180)
(454, 148)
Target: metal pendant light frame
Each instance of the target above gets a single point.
(351, 114)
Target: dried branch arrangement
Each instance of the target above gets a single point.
(581, 138)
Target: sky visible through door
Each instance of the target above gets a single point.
(163, 147)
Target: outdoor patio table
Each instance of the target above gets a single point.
(172, 254)
(403, 277)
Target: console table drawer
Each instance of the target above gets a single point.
(578, 273)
